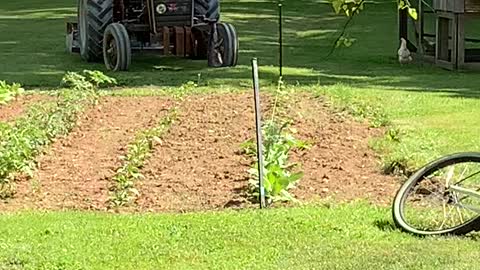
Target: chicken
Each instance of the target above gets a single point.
(404, 55)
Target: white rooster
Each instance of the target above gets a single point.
(404, 55)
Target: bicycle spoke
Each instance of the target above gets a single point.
(466, 178)
(449, 176)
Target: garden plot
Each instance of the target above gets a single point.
(76, 170)
(198, 163)
(18, 107)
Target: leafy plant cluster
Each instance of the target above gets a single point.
(8, 92)
(89, 80)
(279, 174)
(22, 141)
(123, 189)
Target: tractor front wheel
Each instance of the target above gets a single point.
(117, 52)
(223, 46)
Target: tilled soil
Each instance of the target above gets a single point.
(198, 166)
(18, 107)
(75, 173)
(340, 164)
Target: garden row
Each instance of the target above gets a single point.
(79, 150)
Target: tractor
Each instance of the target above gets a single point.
(110, 30)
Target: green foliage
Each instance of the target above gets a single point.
(278, 172)
(98, 78)
(370, 110)
(21, 142)
(74, 80)
(352, 7)
(123, 189)
(348, 7)
(89, 79)
(405, 4)
(9, 92)
(345, 42)
(188, 86)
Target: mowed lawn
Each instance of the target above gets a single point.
(434, 112)
(356, 236)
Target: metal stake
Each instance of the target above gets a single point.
(280, 37)
(258, 122)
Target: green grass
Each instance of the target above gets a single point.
(431, 124)
(435, 111)
(353, 236)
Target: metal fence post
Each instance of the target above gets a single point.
(258, 122)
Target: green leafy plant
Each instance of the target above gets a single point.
(278, 141)
(98, 78)
(123, 189)
(73, 80)
(89, 79)
(8, 92)
(22, 141)
(279, 176)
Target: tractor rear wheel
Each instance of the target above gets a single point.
(117, 52)
(210, 9)
(223, 47)
(93, 18)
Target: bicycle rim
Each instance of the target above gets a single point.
(441, 197)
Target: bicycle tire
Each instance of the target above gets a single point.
(472, 224)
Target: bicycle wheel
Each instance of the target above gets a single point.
(441, 198)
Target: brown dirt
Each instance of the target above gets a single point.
(197, 166)
(340, 164)
(76, 170)
(16, 108)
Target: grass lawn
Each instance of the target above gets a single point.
(438, 112)
(352, 236)
(431, 112)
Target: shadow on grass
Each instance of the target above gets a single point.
(385, 225)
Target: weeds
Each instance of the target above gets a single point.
(9, 92)
(123, 188)
(21, 142)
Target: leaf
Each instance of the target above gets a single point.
(413, 13)
(295, 177)
(337, 5)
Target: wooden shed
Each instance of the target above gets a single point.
(447, 45)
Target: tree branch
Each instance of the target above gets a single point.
(344, 29)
